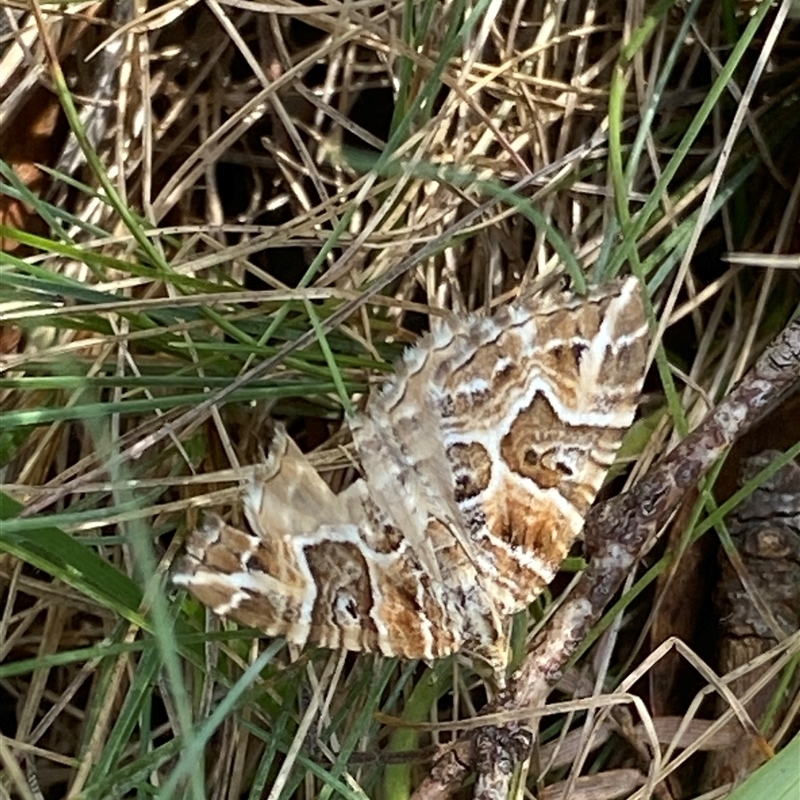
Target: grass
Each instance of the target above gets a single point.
(268, 206)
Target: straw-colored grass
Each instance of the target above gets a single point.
(214, 212)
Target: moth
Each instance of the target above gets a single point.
(480, 458)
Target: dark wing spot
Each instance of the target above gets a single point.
(348, 604)
(472, 468)
(253, 564)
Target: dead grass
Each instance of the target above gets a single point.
(214, 211)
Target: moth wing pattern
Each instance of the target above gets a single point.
(480, 456)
